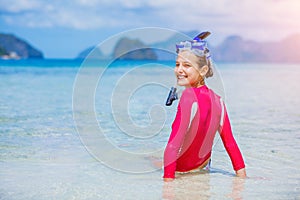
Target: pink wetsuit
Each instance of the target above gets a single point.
(192, 135)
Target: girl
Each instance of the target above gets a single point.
(200, 114)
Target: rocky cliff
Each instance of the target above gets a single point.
(139, 51)
(236, 49)
(232, 49)
(14, 47)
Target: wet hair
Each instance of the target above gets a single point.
(202, 61)
(205, 59)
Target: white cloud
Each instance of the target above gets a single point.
(258, 20)
(131, 3)
(226, 17)
(16, 6)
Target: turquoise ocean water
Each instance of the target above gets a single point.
(42, 155)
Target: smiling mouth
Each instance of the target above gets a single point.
(181, 77)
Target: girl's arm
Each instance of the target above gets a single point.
(232, 147)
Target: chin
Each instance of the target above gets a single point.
(183, 83)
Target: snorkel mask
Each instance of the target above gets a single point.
(198, 46)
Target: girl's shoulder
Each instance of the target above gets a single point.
(190, 95)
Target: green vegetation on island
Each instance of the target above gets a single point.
(2, 51)
(12, 47)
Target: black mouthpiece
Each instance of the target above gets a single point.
(172, 96)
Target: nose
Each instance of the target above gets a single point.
(179, 69)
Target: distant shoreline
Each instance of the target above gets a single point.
(97, 62)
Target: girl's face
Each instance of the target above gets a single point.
(186, 69)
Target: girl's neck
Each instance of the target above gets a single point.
(195, 86)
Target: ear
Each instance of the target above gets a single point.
(203, 70)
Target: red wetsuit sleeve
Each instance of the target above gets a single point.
(230, 144)
(179, 129)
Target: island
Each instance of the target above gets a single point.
(13, 47)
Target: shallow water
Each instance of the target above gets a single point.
(42, 155)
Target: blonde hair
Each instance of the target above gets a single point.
(202, 61)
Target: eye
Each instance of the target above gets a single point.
(177, 64)
(187, 65)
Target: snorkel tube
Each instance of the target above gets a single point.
(202, 36)
(172, 96)
(201, 46)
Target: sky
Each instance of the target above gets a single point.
(64, 28)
